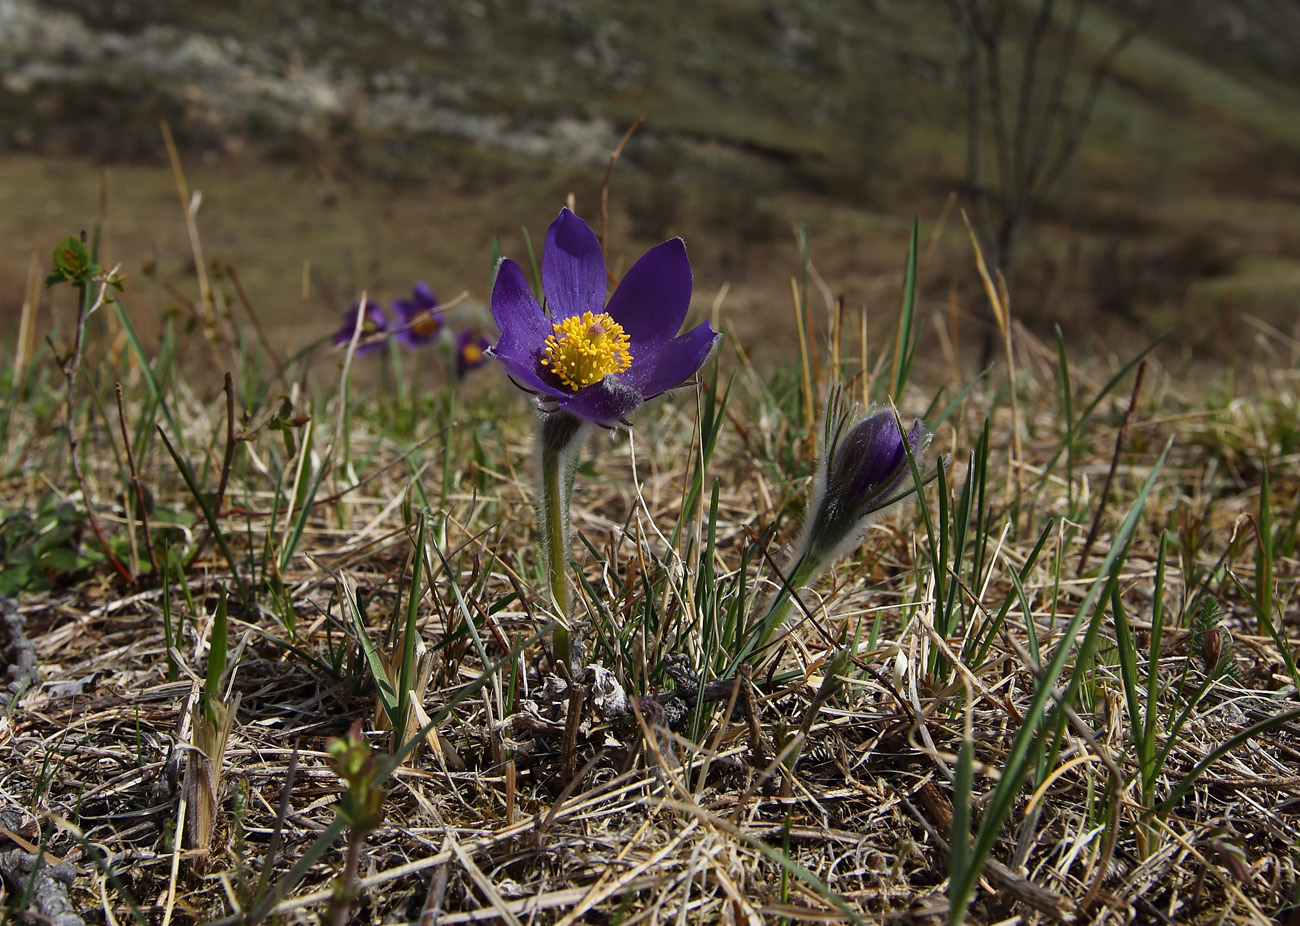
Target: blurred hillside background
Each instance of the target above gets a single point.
(365, 145)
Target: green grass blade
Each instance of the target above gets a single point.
(906, 338)
(304, 510)
(146, 371)
(406, 677)
(373, 660)
(210, 516)
(1275, 722)
(217, 654)
(1128, 660)
(1027, 742)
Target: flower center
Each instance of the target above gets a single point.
(426, 324)
(584, 350)
(471, 353)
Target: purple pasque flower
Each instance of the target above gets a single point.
(471, 351)
(862, 471)
(374, 323)
(598, 362)
(417, 320)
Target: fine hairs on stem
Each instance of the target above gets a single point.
(560, 437)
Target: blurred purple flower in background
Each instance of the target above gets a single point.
(373, 324)
(595, 361)
(417, 320)
(471, 351)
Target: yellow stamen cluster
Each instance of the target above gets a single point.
(472, 353)
(584, 350)
(426, 324)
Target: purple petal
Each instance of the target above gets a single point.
(526, 373)
(653, 297)
(524, 327)
(377, 320)
(676, 362)
(573, 268)
(882, 460)
(416, 322)
(606, 403)
(424, 296)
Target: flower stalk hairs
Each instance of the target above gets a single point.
(863, 471)
(586, 362)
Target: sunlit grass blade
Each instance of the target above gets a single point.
(406, 675)
(712, 412)
(908, 335)
(156, 391)
(304, 499)
(217, 653)
(373, 659)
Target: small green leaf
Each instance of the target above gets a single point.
(71, 259)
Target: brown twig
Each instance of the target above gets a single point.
(228, 458)
(609, 175)
(1120, 437)
(572, 723)
(252, 316)
(70, 366)
(825, 691)
(135, 480)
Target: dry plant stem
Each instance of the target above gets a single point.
(277, 836)
(70, 367)
(227, 461)
(135, 480)
(1120, 437)
(830, 682)
(346, 886)
(252, 317)
(757, 746)
(805, 368)
(572, 722)
(25, 346)
(609, 175)
(229, 458)
(190, 206)
(1000, 300)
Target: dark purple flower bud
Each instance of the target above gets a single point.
(417, 320)
(862, 471)
(373, 324)
(471, 351)
(597, 361)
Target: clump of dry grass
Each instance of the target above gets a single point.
(910, 720)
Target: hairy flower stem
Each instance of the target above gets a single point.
(802, 572)
(560, 437)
